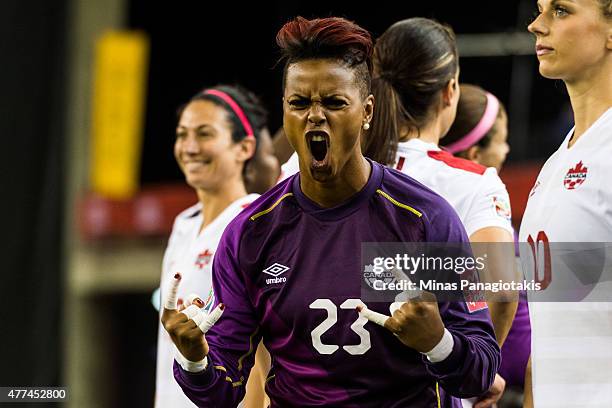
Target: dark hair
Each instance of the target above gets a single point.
(250, 104)
(606, 8)
(333, 38)
(413, 60)
(471, 108)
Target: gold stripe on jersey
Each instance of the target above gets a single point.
(228, 378)
(438, 394)
(270, 377)
(397, 203)
(241, 381)
(264, 212)
(251, 348)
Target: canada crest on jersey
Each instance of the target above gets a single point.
(203, 259)
(371, 277)
(575, 176)
(475, 300)
(502, 207)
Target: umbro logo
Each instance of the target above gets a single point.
(276, 270)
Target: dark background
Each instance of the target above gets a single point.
(32, 67)
(207, 43)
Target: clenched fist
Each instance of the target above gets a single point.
(416, 323)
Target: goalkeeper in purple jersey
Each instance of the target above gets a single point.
(288, 268)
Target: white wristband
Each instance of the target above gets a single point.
(442, 349)
(191, 366)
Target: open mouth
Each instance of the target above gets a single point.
(318, 143)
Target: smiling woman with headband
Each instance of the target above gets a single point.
(223, 148)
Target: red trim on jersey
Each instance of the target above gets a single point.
(400, 163)
(456, 162)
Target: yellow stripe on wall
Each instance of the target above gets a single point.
(121, 64)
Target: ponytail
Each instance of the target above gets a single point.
(414, 60)
(380, 141)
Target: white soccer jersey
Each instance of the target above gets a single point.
(290, 167)
(189, 252)
(474, 191)
(571, 201)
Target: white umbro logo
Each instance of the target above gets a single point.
(276, 270)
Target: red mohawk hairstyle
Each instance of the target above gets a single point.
(328, 38)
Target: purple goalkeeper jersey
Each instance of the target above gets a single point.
(290, 271)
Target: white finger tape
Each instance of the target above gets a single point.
(199, 318)
(373, 316)
(191, 298)
(191, 311)
(172, 293)
(395, 306)
(211, 319)
(406, 295)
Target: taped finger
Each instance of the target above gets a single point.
(373, 316)
(172, 292)
(212, 318)
(191, 311)
(194, 299)
(199, 317)
(395, 306)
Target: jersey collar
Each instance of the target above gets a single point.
(346, 208)
(418, 144)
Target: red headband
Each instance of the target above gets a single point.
(235, 107)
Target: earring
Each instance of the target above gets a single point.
(366, 126)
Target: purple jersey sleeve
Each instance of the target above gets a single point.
(471, 367)
(232, 341)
